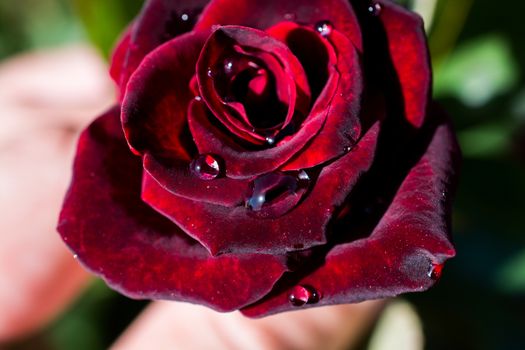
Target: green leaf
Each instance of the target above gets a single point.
(104, 20)
(477, 71)
(511, 276)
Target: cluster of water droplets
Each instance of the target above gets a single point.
(374, 9)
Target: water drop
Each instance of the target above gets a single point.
(184, 17)
(228, 67)
(324, 28)
(435, 271)
(301, 295)
(75, 256)
(290, 16)
(374, 9)
(206, 167)
(271, 188)
(303, 176)
(210, 72)
(198, 98)
(347, 149)
(270, 140)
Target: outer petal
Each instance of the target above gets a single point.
(119, 56)
(156, 101)
(224, 230)
(263, 14)
(411, 238)
(137, 251)
(399, 34)
(159, 21)
(177, 179)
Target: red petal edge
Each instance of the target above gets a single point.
(226, 230)
(158, 22)
(398, 256)
(137, 251)
(409, 52)
(263, 14)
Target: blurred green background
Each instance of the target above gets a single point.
(478, 53)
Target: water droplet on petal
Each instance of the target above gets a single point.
(347, 149)
(301, 295)
(374, 9)
(270, 188)
(435, 271)
(303, 176)
(289, 16)
(75, 256)
(206, 167)
(198, 98)
(228, 67)
(210, 72)
(185, 17)
(324, 28)
(270, 140)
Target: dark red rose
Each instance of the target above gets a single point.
(266, 155)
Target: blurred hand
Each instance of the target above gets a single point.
(46, 100)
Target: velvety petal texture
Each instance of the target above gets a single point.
(158, 22)
(266, 156)
(410, 241)
(136, 250)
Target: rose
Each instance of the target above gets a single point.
(289, 155)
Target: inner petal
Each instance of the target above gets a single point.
(251, 83)
(247, 84)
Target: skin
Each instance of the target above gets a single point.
(42, 114)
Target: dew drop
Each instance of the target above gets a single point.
(185, 17)
(435, 271)
(272, 187)
(290, 16)
(301, 295)
(303, 176)
(198, 98)
(210, 72)
(75, 256)
(206, 167)
(270, 140)
(374, 9)
(324, 28)
(228, 67)
(347, 149)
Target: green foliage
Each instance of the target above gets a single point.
(28, 24)
(104, 20)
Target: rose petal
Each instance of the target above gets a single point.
(119, 56)
(156, 101)
(223, 230)
(154, 114)
(263, 14)
(137, 251)
(410, 239)
(178, 179)
(240, 163)
(395, 44)
(158, 22)
(342, 127)
(232, 41)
